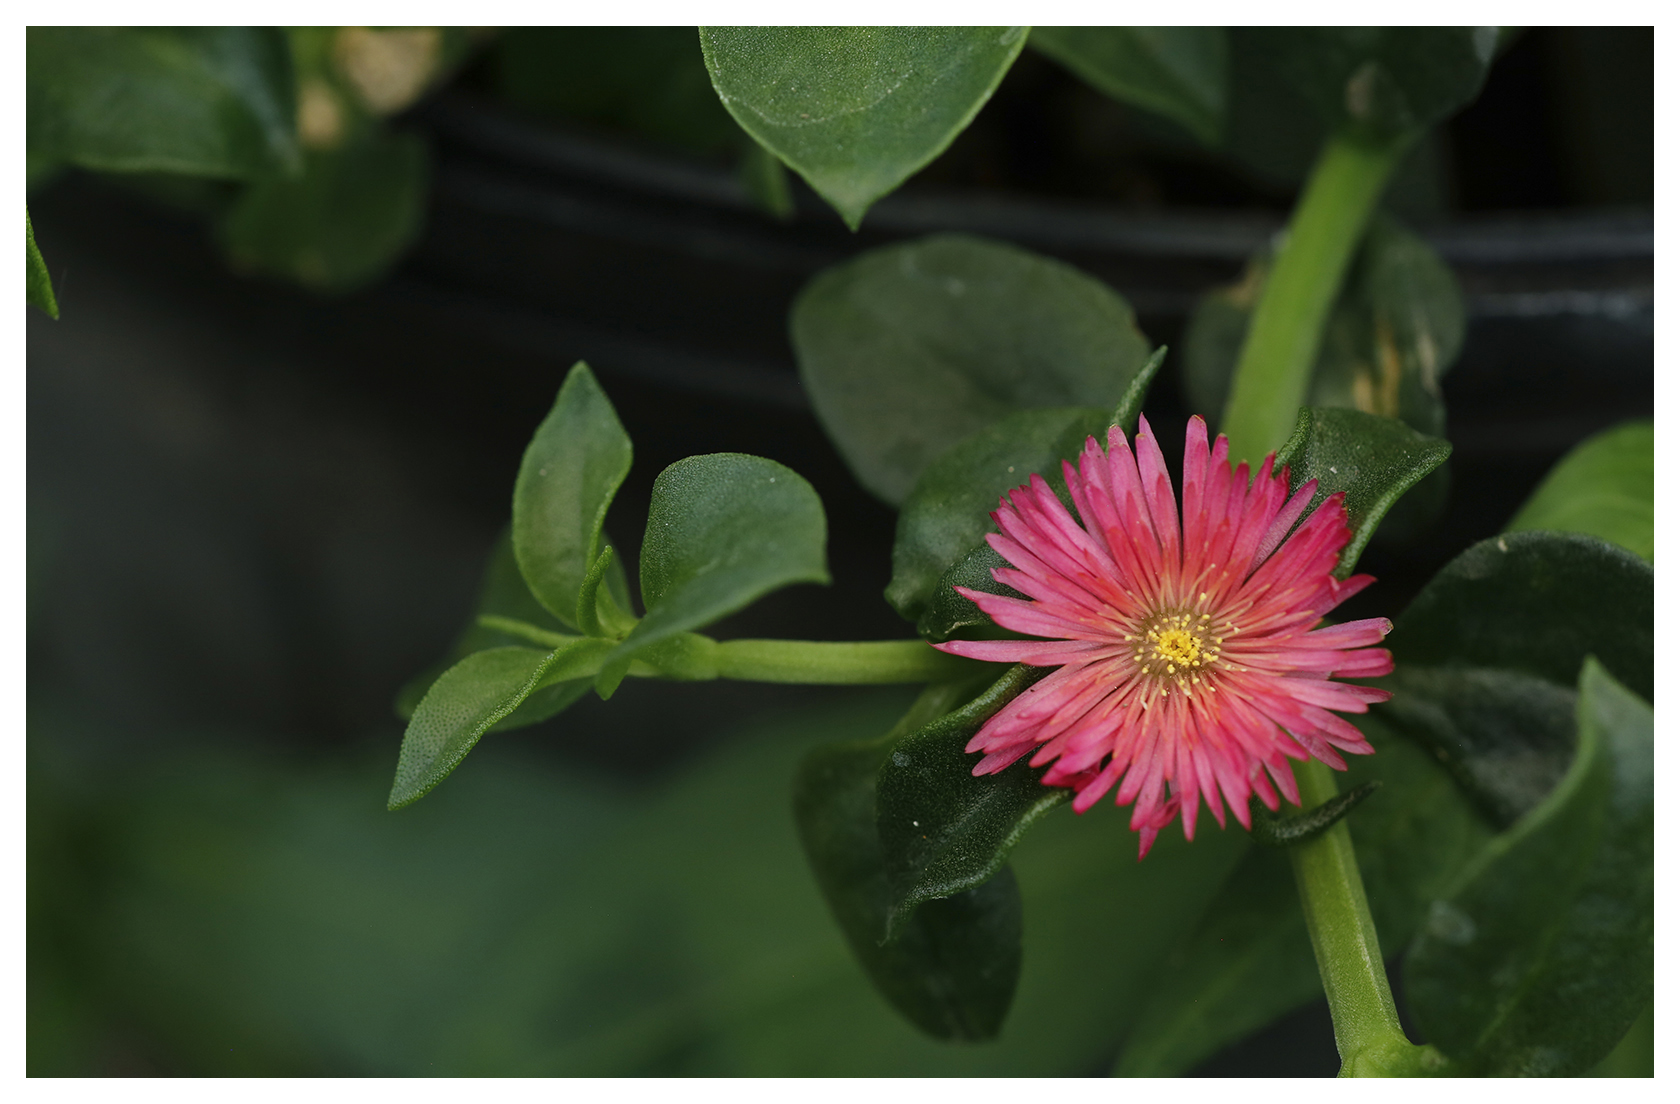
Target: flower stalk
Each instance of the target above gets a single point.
(1275, 366)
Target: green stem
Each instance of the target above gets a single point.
(1275, 368)
(835, 663)
(1344, 939)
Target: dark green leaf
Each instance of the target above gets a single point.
(948, 614)
(952, 968)
(909, 349)
(1248, 960)
(1604, 487)
(1372, 460)
(947, 516)
(1541, 959)
(857, 110)
(572, 468)
(723, 531)
(469, 698)
(1179, 72)
(37, 281)
(1483, 657)
(1395, 330)
(203, 101)
(340, 224)
(1386, 81)
(1286, 830)
(942, 830)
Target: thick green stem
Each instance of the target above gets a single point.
(1275, 367)
(834, 663)
(1344, 939)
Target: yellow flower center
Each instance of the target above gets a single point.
(1178, 647)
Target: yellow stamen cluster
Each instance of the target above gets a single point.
(1176, 647)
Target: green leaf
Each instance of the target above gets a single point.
(1484, 658)
(1540, 961)
(942, 830)
(571, 469)
(1248, 960)
(1372, 460)
(1604, 488)
(1385, 81)
(723, 531)
(203, 101)
(37, 281)
(908, 349)
(1179, 72)
(951, 968)
(1395, 330)
(342, 222)
(857, 110)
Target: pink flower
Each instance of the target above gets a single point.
(1189, 665)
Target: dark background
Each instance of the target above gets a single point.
(255, 512)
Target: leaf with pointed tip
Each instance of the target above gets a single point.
(1540, 960)
(469, 698)
(1372, 460)
(723, 530)
(857, 110)
(909, 349)
(202, 101)
(1604, 488)
(1179, 72)
(1485, 657)
(571, 470)
(37, 281)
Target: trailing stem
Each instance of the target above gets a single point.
(1275, 367)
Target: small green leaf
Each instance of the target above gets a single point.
(1386, 81)
(1372, 460)
(469, 698)
(202, 101)
(857, 110)
(341, 223)
(942, 830)
(1540, 960)
(946, 518)
(1279, 830)
(723, 531)
(37, 281)
(909, 349)
(952, 968)
(1604, 488)
(1485, 658)
(1179, 72)
(572, 468)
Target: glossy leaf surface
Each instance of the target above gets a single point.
(202, 101)
(909, 349)
(1385, 81)
(942, 830)
(341, 223)
(949, 513)
(37, 281)
(571, 469)
(1179, 72)
(1484, 657)
(723, 530)
(857, 110)
(468, 699)
(953, 967)
(1604, 487)
(1372, 460)
(1541, 959)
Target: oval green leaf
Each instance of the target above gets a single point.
(204, 101)
(909, 349)
(723, 530)
(1540, 961)
(1179, 72)
(1604, 487)
(857, 110)
(571, 469)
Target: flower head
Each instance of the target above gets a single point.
(1190, 661)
